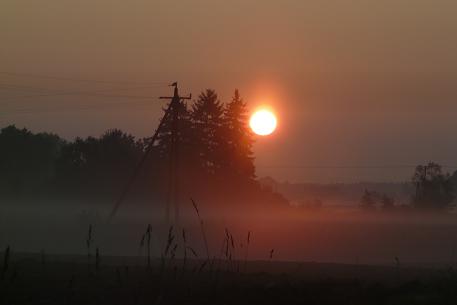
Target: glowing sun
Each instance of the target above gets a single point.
(263, 122)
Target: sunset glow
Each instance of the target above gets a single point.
(263, 122)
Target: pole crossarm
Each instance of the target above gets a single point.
(171, 97)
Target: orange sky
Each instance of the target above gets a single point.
(354, 83)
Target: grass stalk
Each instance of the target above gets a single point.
(202, 228)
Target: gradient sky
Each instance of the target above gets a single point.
(354, 83)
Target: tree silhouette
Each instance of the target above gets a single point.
(207, 117)
(434, 189)
(212, 144)
(98, 165)
(388, 203)
(368, 200)
(27, 160)
(182, 132)
(238, 139)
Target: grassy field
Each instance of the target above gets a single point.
(46, 279)
(256, 259)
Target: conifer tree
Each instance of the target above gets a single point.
(207, 115)
(239, 139)
(182, 135)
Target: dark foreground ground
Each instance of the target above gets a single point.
(35, 279)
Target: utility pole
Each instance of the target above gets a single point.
(171, 111)
(173, 165)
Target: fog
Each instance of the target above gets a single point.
(327, 235)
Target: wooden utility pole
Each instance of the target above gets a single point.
(171, 111)
(173, 166)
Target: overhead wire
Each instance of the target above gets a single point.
(42, 76)
(47, 92)
(73, 92)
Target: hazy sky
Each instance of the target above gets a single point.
(354, 83)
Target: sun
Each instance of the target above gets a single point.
(263, 122)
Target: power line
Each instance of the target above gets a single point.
(19, 87)
(46, 92)
(41, 76)
(98, 93)
(25, 111)
(16, 87)
(95, 93)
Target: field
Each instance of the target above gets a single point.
(327, 236)
(326, 257)
(39, 279)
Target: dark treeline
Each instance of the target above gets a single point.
(433, 189)
(430, 188)
(214, 160)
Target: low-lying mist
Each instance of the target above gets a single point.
(296, 234)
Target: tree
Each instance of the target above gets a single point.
(27, 160)
(98, 165)
(368, 200)
(388, 203)
(207, 118)
(182, 131)
(118, 152)
(434, 188)
(238, 139)
(175, 151)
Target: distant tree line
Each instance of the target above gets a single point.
(433, 190)
(213, 148)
